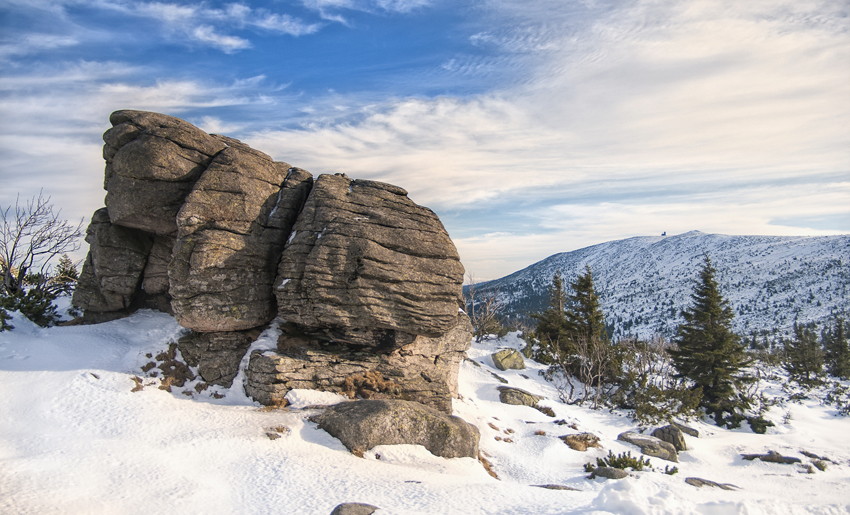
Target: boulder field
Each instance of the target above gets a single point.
(227, 239)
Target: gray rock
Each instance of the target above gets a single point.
(367, 266)
(772, 457)
(217, 355)
(112, 272)
(232, 229)
(672, 435)
(518, 397)
(354, 508)
(557, 487)
(363, 425)
(687, 430)
(651, 446)
(609, 473)
(580, 441)
(152, 161)
(508, 359)
(698, 482)
(424, 371)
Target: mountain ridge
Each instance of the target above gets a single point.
(645, 281)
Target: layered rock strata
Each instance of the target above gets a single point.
(424, 371)
(226, 239)
(367, 266)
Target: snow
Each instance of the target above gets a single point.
(74, 439)
(306, 398)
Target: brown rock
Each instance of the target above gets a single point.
(217, 355)
(581, 441)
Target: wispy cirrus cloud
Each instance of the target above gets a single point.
(654, 102)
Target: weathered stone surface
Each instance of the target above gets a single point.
(217, 355)
(651, 446)
(152, 161)
(518, 397)
(581, 441)
(687, 430)
(112, 272)
(424, 371)
(367, 266)
(354, 508)
(508, 359)
(363, 425)
(772, 457)
(609, 473)
(232, 229)
(698, 482)
(672, 435)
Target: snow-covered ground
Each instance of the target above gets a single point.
(74, 438)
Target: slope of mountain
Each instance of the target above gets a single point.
(645, 282)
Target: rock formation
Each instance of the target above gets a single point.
(226, 239)
(363, 425)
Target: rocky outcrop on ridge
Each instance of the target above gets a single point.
(226, 238)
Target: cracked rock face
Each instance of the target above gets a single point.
(367, 266)
(113, 267)
(226, 238)
(231, 230)
(152, 162)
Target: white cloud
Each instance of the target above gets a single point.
(228, 44)
(35, 43)
(646, 98)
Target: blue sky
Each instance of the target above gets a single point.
(529, 126)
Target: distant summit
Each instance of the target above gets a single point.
(644, 282)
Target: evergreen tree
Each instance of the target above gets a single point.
(709, 353)
(584, 317)
(837, 350)
(66, 274)
(804, 356)
(551, 331)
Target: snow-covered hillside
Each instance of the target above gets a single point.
(76, 439)
(644, 282)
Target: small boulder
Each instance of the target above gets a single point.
(508, 359)
(609, 473)
(365, 424)
(354, 508)
(687, 430)
(772, 457)
(517, 397)
(581, 441)
(651, 446)
(698, 482)
(672, 435)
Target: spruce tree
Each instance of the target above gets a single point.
(551, 331)
(584, 316)
(804, 356)
(837, 350)
(709, 353)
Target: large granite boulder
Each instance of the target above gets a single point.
(424, 371)
(672, 435)
(518, 396)
(232, 229)
(362, 425)
(112, 272)
(152, 162)
(367, 266)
